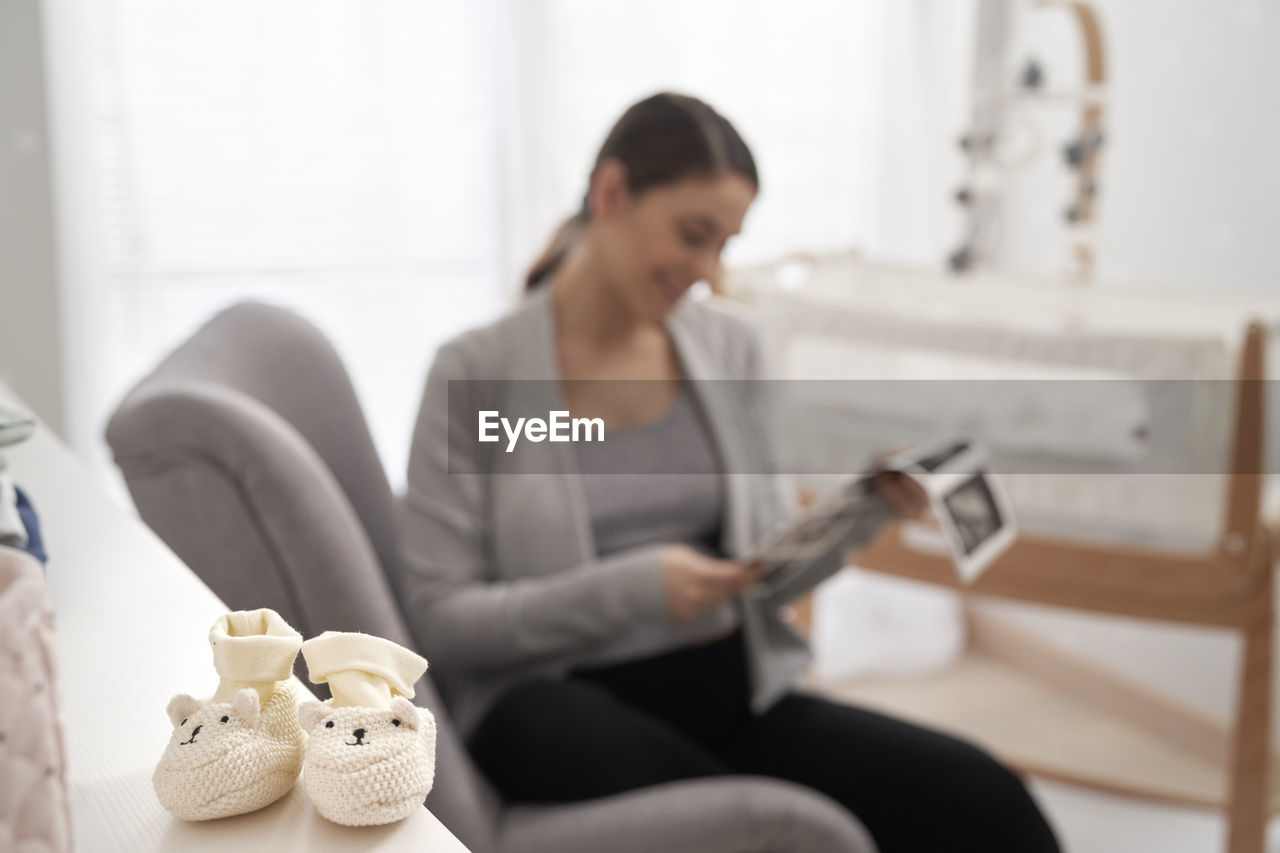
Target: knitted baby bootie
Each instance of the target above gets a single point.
(242, 748)
(371, 755)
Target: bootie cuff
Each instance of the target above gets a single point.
(253, 646)
(335, 651)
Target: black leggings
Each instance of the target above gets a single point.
(685, 714)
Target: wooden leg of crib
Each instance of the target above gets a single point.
(1250, 789)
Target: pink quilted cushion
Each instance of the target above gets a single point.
(35, 814)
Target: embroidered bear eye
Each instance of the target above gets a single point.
(224, 719)
(184, 722)
(329, 724)
(395, 722)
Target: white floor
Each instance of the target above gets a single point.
(1089, 822)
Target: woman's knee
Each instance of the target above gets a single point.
(564, 740)
(538, 706)
(972, 772)
(534, 693)
(980, 790)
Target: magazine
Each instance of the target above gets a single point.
(964, 495)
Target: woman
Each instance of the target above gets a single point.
(586, 618)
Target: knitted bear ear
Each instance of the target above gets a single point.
(248, 705)
(180, 707)
(310, 714)
(404, 711)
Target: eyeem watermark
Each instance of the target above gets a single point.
(557, 427)
(1110, 427)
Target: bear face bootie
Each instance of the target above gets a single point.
(370, 755)
(366, 766)
(241, 749)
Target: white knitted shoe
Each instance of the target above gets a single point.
(366, 766)
(228, 758)
(241, 749)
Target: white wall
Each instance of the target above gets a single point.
(1190, 180)
(30, 330)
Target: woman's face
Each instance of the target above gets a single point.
(657, 243)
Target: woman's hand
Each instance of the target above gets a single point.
(697, 584)
(908, 500)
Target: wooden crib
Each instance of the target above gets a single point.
(1047, 712)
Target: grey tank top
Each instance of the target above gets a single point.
(632, 501)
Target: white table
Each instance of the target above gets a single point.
(132, 626)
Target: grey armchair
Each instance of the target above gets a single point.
(247, 452)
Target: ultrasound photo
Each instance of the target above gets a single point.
(973, 510)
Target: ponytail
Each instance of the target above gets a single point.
(553, 256)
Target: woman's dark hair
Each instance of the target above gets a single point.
(660, 140)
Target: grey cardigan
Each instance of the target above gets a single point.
(499, 578)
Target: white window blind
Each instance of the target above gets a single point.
(849, 131)
(386, 167)
(333, 156)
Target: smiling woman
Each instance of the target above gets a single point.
(591, 613)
